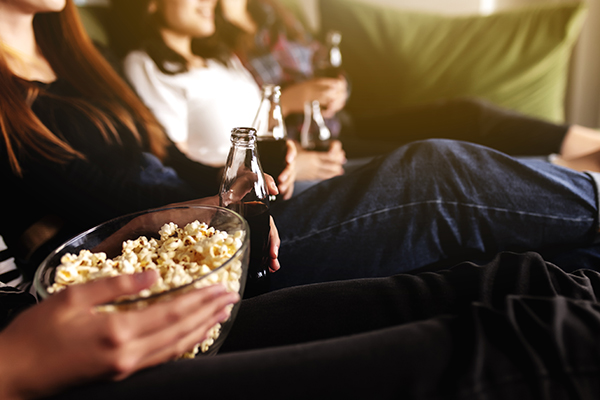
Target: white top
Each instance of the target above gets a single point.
(200, 106)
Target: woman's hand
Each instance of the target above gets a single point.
(288, 176)
(338, 100)
(320, 165)
(331, 93)
(63, 341)
(275, 241)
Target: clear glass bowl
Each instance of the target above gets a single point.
(109, 237)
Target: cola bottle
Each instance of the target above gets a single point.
(271, 133)
(314, 135)
(328, 61)
(244, 190)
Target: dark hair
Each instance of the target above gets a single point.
(106, 99)
(266, 13)
(133, 28)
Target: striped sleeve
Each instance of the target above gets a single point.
(14, 296)
(9, 274)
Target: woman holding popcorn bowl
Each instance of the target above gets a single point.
(79, 149)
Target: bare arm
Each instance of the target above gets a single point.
(331, 93)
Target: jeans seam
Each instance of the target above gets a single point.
(455, 203)
(595, 176)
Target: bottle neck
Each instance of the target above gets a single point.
(243, 137)
(269, 118)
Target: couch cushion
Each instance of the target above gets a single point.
(94, 21)
(517, 59)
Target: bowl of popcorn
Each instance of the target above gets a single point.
(189, 246)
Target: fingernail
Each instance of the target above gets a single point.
(145, 278)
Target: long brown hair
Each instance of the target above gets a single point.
(106, 99)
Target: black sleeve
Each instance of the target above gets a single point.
(89, 194)
(116, 177)
(13, 301)
(204, 179)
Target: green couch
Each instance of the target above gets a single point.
(518, 59)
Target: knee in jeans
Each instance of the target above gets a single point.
(432, 149)
(442, 156)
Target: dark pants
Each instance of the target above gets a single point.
(468, 119)
(516, 328)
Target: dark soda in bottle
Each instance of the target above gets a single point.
(272, 153)
(271, 133)
(244, 190)
(328, 62)
(314, 135)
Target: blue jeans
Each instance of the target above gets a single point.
(427, 202)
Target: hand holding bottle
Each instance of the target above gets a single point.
(331, 93)
(276, 153)
(244, 189)
(319, 165)
(285, 180)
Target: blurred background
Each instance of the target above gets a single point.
(582, 96)
(583, 93)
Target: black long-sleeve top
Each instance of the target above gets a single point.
(113, 179)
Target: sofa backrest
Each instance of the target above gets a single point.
(517, 59)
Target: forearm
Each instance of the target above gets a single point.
(11, 372)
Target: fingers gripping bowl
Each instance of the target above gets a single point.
(190, 247)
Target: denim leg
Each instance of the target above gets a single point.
(430, 201)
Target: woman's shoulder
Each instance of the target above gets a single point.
(235, 65)
(137, 58)
(143, 73)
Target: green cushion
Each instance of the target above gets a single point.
(517, 59)
(297, 9)
(94, 19)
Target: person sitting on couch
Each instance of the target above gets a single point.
(518, 327)
(276, 48)
(80, 147)
(199, 102)
(73, 128)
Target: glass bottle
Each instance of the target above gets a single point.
(328, 62)
(244, 190)
(314, 134)
(271, 132)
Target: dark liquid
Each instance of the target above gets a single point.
(258, 217)
(329, 72)
(271, 153)
(322, 145)
(317, 144)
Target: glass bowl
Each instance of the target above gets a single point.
(109, 237)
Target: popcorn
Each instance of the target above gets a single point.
(180, 257)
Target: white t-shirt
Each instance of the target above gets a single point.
(200, 106)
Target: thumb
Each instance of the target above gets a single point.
(335, 146)
(105, 290)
